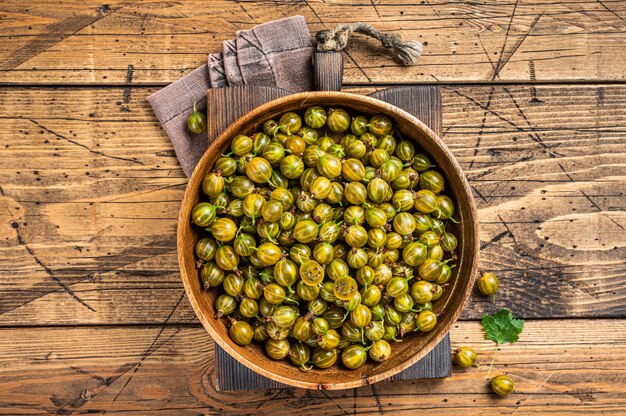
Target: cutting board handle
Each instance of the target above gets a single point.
(328, 70)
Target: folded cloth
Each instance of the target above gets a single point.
(276, 53)
(231, 64)
(217, 77)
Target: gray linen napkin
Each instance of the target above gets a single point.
(276, 53)
(217, 76)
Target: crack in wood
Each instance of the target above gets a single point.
(127, 90)
(50, 274)
(565, 172)
(150, 349)
(100, 233)
(334, 402)
(508, 229)
(486, 53)
(138, 365)
(601, 210)
(32, 294)
(357, 65)
(277, 7)
(91, 374)
(376, 10)
(434, 10)
(528, 131)
(517, 44)
(54, 34)
(86, 395)
(63, 287)
(67, 407)
(74, 142)
(246, 12)
(269, 399)
(139, 193)
(379, 406)
(155, 248)
(532, 134)
(482, 128)
(143, 21)
(611, 11)
(556, 279)
(345, 50)
(533, 78)
(495, 239)
(479, 193)
(506, 38)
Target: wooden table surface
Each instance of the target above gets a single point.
(93, 316)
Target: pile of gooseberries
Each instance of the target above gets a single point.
(327, 238)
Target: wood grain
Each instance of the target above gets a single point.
(328, 71)
(80, 214)
(566, 366)
(147, 42)
(90, 190)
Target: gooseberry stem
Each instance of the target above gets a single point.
(345, 316)
(290, 300)
(279, 128)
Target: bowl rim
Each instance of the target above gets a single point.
(207, 322)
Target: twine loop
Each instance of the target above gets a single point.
(406, 53)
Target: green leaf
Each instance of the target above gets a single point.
(501, 327)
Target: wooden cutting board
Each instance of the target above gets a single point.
(225, 105)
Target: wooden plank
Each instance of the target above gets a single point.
(232, 376)
(566, 366)
(423, 102)
(328, 71)
(228, 104)
(80, 215)
(157, 42)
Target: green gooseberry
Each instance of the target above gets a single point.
(315, 117)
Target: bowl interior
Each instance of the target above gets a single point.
(414, 346)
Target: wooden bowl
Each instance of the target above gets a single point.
(405, 353)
